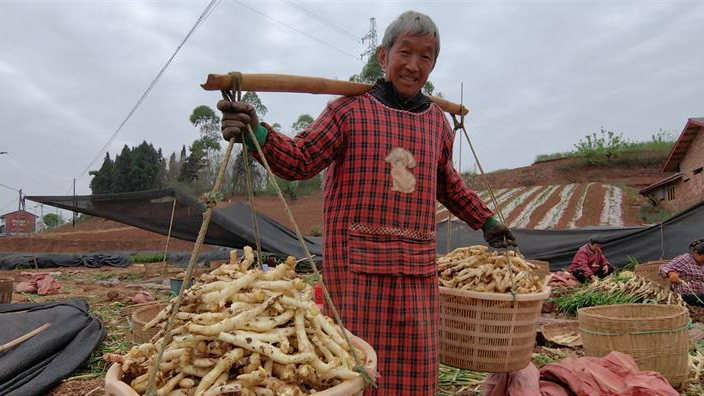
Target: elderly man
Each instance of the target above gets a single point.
(589, 263)
(389, 157)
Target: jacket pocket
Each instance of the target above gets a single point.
(390, 251)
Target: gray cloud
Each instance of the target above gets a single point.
(538, 75)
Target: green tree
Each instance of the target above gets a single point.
(102, 181)
(302, 123)
(428, 88)
(370, 72)
(145, 168)
(597, 148)
(208, 122)
(52, 220)
(253, 99)
(194, 162)
(121, 171)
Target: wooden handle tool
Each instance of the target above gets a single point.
(303, 84)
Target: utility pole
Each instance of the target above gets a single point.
(3, 152)
(370, 37)
(73, 224)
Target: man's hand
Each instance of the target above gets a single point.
(497, 234)
(235, 117)
(674, 277)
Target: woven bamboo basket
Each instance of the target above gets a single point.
(543, 269)
(142, 316)
(488, 331)
(655, 335)
(354, 387)
(651, 272)
(7, 286)
(553, 332)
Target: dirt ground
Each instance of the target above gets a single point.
(108, 291)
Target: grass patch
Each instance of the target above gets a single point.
(147, 258)
(104, 276)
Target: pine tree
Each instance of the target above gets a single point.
(102, 179)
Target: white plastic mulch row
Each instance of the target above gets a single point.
(512, 204)
(580, 207)
(612, 214)
(553, 216)
(523, 219)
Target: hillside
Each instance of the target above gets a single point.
(550, 194)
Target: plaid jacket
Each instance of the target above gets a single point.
(689, 271)
(385, 169)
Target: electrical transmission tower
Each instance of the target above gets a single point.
(370, 39)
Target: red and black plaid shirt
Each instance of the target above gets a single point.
(379, 242)
(689, 271)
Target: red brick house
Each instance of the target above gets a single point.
(18, 222)
(685, 188)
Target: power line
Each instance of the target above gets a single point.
(296, 30)
(323, 20)
(8, 187)
(201, 19)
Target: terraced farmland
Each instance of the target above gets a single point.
(572, 205)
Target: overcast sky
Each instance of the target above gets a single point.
(538, 75)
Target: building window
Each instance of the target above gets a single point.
(698, 170)
(671, 193)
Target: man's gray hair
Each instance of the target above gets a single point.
(411, 23)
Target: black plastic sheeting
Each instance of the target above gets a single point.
(35, 366)
(9, 261)
(231, 226)
(151, 210)
(559, 246)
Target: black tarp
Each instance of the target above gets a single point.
(35, 366)
(9, 261)
(151, 210)
(231, 226)
(643, 244)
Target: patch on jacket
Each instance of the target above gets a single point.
(401, 161)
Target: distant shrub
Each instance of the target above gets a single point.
(316, 231)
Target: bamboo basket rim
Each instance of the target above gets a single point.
(543, 295)
(675, 309)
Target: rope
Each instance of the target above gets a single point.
(207, 214)
(168, 238)
(460, 125)
(369, 379)
(662, 241)
(236, 90)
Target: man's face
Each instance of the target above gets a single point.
(408, 63)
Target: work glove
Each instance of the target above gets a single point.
(497, 234)
(235, 117)
(674, 277)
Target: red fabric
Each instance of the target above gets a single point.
(379, 232)
(524, 382)
(41, 283)
(616, 374)
(588, 261)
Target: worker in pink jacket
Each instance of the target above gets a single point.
(589, 262)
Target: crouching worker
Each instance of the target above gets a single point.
(589, 263)
(686, 274)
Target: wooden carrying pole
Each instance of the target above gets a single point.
(303, 84)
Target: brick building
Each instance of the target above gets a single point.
(18, 222)
(685, 188)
